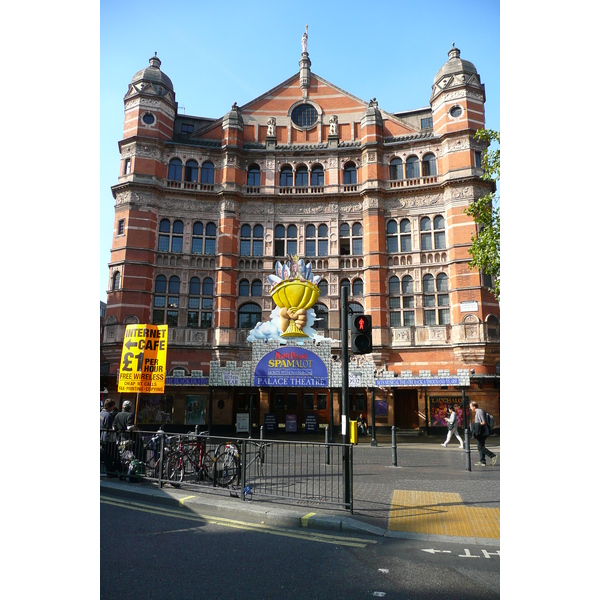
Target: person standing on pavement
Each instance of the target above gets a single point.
(484, 432)
(124, 421)
(452, 421)
(108, 442)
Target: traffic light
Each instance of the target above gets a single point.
(361, 342)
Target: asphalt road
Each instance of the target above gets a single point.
(151, 551)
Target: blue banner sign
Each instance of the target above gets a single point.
(291, 367)
(186, 381)
(420, 381)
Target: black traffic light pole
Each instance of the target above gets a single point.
(345, 396)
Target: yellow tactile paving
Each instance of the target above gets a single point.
(441, 513)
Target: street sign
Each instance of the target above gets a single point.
(144, 359)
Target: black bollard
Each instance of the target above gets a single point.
(394, 451)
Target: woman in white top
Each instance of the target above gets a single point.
(452, 421)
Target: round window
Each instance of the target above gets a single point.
(456, 111)
(148, 118)
(305, 116)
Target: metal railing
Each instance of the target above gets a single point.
(307, 472)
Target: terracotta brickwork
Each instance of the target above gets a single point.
(391, 197)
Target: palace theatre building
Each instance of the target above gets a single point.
(206, 208)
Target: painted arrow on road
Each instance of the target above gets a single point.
(432, 551)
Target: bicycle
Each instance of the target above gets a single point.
(190, 457)
(227, 461)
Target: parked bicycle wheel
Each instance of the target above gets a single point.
(208, 463)
(175, 469)
(227, 463)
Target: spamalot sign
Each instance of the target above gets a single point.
(291, 367)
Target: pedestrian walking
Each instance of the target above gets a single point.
(452, 421)
(481, 431)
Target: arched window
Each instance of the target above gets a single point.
(249, 315)
(160, 300)
(436, 299)
(396, 170)
(177, 237)
(357, 287)
(323, 242)
(286, 177)
(302, 176)
(244, 287)
(395, 302)
(210, 239)
(408, 301)
(173, 301)
(324, 288)
(253, 179)
(257, 288)
(191, 171)
(175, 169)
(392, 237)
(164, 236)
(317, 175)
(310, 247)
(405, 236)
(425, 227)
(207, 303)
(439, 232)
(412, 167)
(207, 174)
(321, 316)
(194, 303)
(350, 244)
(349, 173)
(116, 282)
(429, 165)
(286, 240)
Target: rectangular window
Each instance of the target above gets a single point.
(292, 401)
(292, 247)
(443, 300)
(206, 322)
(163, 243)
(405, 245)
(426, 241)
(440, 239)
(177, 244)
(245, 248)
(409, 318)
(209, 246)
(196, 245)
(121, 227)
(323, 247)
(427, 123)
(392, 243)
(357, 247)
(430, 317)
(395, 319)
(172, 318)
(159, 301)
(173, 302)
(429, 301)
(478, 159)
(408, 302)
(279, 247)
(193, 318)
(279, 402)
(194, 303)
(394, 302)
(311, 248)
(158, 317)
(127, 169)
(187, 128)
(344, 247)
(257, 248)
(207, 303)
(444, 316)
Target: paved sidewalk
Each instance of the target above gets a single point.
(429, 495)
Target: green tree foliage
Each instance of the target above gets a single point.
(485, 247)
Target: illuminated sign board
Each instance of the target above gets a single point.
(291, 367)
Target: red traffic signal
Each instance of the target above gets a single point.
(361, 342)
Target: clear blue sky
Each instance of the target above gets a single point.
(218, 53)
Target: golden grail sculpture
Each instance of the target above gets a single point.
(294, 295)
